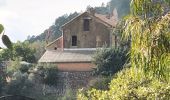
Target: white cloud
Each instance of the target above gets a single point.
(32, 17)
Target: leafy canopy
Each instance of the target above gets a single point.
(148, 28)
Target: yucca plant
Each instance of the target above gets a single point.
(148, 27)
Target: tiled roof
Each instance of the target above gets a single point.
(67, 56)
(111, 20)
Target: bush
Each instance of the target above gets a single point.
(50, 73)
(109, 60)
(24, 68)
(127, 85)
(100, 83)
(1, 83)
(13, 66)
(69, 95)
(19, 85)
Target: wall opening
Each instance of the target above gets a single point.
(74, 40)
(55, 48)
(86, 25)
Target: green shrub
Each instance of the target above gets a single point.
(50, 73)
(24, 68)
(69, 95)
(13, 66)
(127, 85)
(100, 83)
(109, 60)
(1, 83)
(19, 85)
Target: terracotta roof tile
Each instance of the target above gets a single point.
(112, 21)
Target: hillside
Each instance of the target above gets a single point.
(54, 29)
(122, 7)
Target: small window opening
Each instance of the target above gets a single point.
(86, 25)
(55, 48)
(74, 40)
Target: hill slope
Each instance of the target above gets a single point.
(122, 7)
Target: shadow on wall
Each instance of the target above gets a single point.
(15, 97)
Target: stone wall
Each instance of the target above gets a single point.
(56, 44)
(97, 36)
(69, 80)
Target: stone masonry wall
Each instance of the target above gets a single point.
(69, 80)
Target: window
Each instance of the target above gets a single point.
(86, 25)
(74, 40)
(55, 48)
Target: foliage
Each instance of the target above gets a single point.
(109, 60)
(148, 78)
(24, 51)
(148, 28)
(5, 55)
(68, 95)
(1, 83)
(100, 83)
(127, 86)
(13, 66)
(39, 47)
(53, 32)
(20, 50)
(19, 84)
(50, 73)
(5, 39)
(1, 28)
(122, 7)
(25, 67)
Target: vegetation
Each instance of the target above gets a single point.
(50, 74)
(1, 83)
(20, 50)
(100, 83)
(54, 32)
(109, 60)
(147, 27)
(5, 39)
(126, 86)
(31, 81)
(39, 47)
(147, 31)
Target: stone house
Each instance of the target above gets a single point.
(72, 52)
(80, 37)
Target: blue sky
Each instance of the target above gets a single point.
(31, 17)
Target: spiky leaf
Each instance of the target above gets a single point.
(6, 41)
(1, 28)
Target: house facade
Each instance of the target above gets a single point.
(81, 36)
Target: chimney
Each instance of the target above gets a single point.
(91, 10)
(108, 16)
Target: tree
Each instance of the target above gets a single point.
(148, 27)
(109, 61)
(24, 51)
(39, 47)
(148, 77)
(122, 7)
(20, 50)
